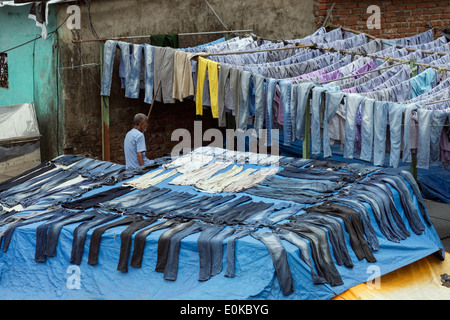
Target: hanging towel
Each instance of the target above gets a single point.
(183, 83)
(165, 40)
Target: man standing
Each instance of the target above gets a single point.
(134, 145)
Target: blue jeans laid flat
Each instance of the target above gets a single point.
(204, 245)
(231, 244)
(305, 256)
(406, 200)
(171, 268)
(279, 259)
(80, 232)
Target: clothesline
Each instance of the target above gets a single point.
(391, 44)
(148, 36)
(315, 46)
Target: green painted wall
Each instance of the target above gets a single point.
(33, 75)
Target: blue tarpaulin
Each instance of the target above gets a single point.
(255, 277)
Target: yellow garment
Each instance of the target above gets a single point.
(420, 280)
(213, 73)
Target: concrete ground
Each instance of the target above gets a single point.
(439, 214)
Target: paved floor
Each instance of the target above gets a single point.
(439, 214)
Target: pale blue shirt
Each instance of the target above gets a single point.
(134, 143)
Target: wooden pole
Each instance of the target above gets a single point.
(106, 147)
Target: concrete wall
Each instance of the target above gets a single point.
(32, 73)
(286, 19)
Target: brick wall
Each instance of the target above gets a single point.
(399, 18)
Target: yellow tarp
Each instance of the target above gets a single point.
(420, 280)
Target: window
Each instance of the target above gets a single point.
(3, 70)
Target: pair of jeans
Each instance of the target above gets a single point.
(380, 120)
(246, 79)
(406, 131)
(285, 89)
(133, 199)
(353, 225)
(42, 233)
(240, 213)
(311, 174)
(335, 234)
(205, 250)
(270, 94)
(62, 194)
(80, 233)
(352, 104)
(132, 68)
(125, 240)
(322, 186)
(395, 124)
(149, 67)
(317, 106)
(367, 130)
(109, 52)
(164, 244)
(94, 245)
(156, 206)
(29, 183)
(387, 205)
(67, 159)
(261, 215)
(369, 232)
(320, 250)
(171, 268)
(303, 97)
(411, 212)
(7, 234)
(55, 228)
(231, 249)
(26, 176)
(209, 214)
(204, 204)
(40, 187)
(305, 256)
(95, 199)
(424, 134)
(297, 195)
(140, 240)
(332, 101)
(279, 259)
